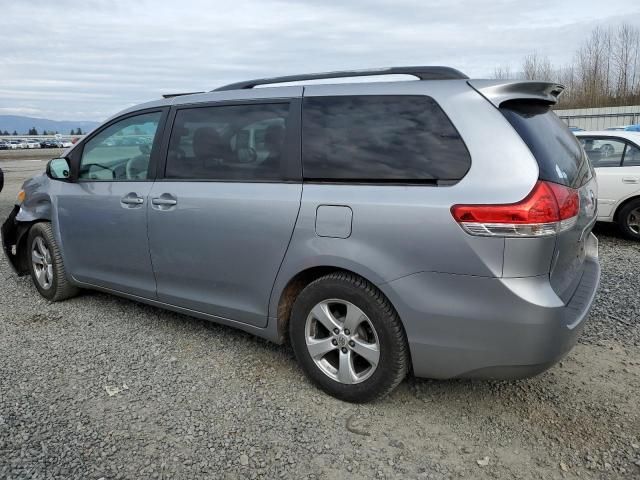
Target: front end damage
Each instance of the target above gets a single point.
(13, 236)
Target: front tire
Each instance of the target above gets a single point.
(348, 338)
(629, 220)
(46, 265)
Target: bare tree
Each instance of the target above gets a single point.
(605, 70)
(503, 72)
(537, 67)
(625, 57)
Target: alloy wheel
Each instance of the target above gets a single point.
(42, 263)
(633, 221)
(342, 341)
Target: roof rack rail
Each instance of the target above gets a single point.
(171, 95)
(421, 72)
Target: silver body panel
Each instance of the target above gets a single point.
(475, 306)
(220, 248)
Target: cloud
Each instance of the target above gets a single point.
(88, 59)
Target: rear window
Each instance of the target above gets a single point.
(558, 153)
(373, 138)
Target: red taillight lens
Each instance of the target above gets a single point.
(568, 200)
(547, 209)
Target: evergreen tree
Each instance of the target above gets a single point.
(14, 133)
(79, 131)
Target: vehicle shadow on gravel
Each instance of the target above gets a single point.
(611, 230)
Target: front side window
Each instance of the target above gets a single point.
(603, 152)
(229, 142)
(121, 151)
(376, 138)
(631, 156)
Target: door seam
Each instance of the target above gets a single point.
(153, 269)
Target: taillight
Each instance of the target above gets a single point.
(549, 208)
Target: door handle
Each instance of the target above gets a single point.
(631, 180)
(131, 200)
(165, 202)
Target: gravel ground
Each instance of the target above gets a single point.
(101, 387)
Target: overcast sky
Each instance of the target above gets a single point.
(85, 60)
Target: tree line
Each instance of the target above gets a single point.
(34, 131)
(604, 72)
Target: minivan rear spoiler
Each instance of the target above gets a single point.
(500, 91)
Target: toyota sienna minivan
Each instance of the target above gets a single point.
(440, 225)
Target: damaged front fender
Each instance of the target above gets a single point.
(13, 235)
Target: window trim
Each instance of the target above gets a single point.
(293, 146)
(385, 182)
(78, 152)
(626, 142)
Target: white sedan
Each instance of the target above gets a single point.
(615, 156)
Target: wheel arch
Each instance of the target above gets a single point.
(624, 203)
(36, 208)
(286, 296)
(20, 258)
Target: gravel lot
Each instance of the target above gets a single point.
(101, 387)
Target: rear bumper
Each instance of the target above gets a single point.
(479, 327)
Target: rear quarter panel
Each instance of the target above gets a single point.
(398, 230)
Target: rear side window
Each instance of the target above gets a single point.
(380, 139)
(233, 142)
(558, 153)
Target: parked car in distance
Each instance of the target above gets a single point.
(50, 143)
(412, 245)
(576, 129)
(15, 144)
(31, 143)
(632, 128)
(4, 145)
(616, 159)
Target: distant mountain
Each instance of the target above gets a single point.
(22, 125)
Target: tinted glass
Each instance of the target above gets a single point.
(121, 151)
(557, 151)
(238, 142)
(380, 138)
(631, 156)
(603, 152)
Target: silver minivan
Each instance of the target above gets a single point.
(440, 226)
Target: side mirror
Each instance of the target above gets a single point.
(58, 169)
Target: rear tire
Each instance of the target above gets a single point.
(629, 220)
(46, 265)
(363, 355)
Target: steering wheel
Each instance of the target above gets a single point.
(136, 167)
(607, 150)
